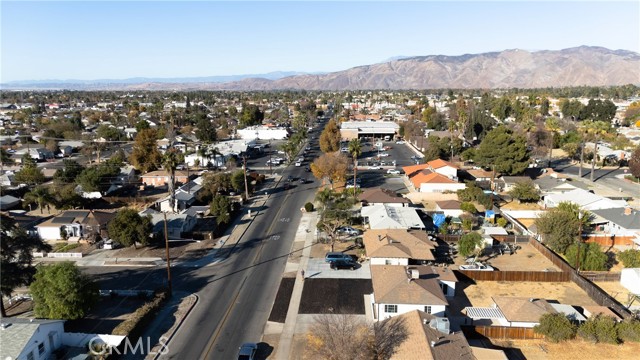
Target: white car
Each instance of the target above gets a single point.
(399, 142)
(393, 171)
(298, 163)
(344, 149)
(383, 154)
(476, 267)
(281, 152)
(375, 168)
(350, 186)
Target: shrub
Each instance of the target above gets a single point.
(502, 222)
(555, 327)
(308, 207)
(592, 258)
(468, 207)
(469, 243)
(599, 329)
(630, 258)
(629, 330)
(136, 322)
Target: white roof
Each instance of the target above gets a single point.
(484, 313)
(383, 216)
(495, 230)
(584, 199)
(569, 311)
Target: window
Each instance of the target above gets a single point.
(30, 356)
(391, 308)
(427, 309)
(388, 262)
(41, 349)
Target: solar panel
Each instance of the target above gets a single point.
(63, 220)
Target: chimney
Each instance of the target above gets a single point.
(627, 210)
(379, 237)
(433, 343)
(415, 274)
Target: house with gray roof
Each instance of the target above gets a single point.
(621, 221)
(28, 339)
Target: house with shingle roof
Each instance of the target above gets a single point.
(401, 289)
(379, 196)
(619, 221)
(391, 217)
(80, 224)
(449, 207)
(584, 199)
(398, 247)
(30, 339)
(429, 338)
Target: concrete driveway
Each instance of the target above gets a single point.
(319, 269)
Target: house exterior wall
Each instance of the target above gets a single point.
(49, 233)
(42, 337)
(392, 261)
(448, 171)
(435, 187)
(436, 310)
(263, 134)
(452, 212)
(522, 324)
(161, 180)
(451, 288)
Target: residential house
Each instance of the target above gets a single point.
(37, 153)
(520, 312)
(479, 175)
(551, 185)
(76, 224)
(185, 196)
(630, 280)
(449, 208)
(177, 224)
(430, 338)
(511, 181)
(398, 247)
(8, 202)
(29, 339)
(590, 311)
(399, 289)
(584, 199)
(160, 178)
(380, 196)
(391, 217)
(7, 179)
(435, 176)
(126, 176)
(619, 221)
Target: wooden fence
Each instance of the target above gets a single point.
(538, 276)
(501, 238)
(600, 275)
(549, 254)
(608, 240)
(499, 332)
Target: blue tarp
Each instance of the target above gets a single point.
(438, 219)
(489, 214)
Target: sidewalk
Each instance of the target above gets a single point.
(286, 341)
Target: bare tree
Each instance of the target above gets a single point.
(344, 336)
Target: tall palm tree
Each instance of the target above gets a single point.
(325, 196)
(595, 130)
(41, 196)
(170, 161)
(355, 149)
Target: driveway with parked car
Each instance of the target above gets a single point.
(320, 269)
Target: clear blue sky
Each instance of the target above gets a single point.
(115, 40)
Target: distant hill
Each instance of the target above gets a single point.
(584, 65)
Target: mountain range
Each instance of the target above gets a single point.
(515, 68)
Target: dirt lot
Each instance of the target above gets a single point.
(106, 315)
(319, 250)
(577, 349)
(479, 295)
(183, 250)
(614, 289)
(527, 258)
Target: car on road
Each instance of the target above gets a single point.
(393, 171)
(399, 142)
(374, 167)
(476, 267)
(350, 186)
(333, 256)
(298, 163)
(307, 169)
(303, 181)
(308, 148)
(247, 351)
(348, 230)
(383, 154)
(343, 264)
(287, 185)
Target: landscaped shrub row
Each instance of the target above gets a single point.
(603, 329)
(134, 325)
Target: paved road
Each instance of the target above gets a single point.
(608, 177)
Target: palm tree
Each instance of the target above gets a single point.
(41, 196)
(595, 130)
(325, 196)
(355, 149)
(552, 126)
(170, 161)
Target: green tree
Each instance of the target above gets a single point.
(470, 244)
(237, 181)
(591, 257)
(503, 151)
(206, 132)
(5, 158)
(629, 330)
(502, 108)
(468, 207)
(39, 195)
(355, 149)
(221, 208)
(599, 329)
(69, 173)
(129, 228)
(525, 191)
(251, 115)
(29, 174)
(630, 258)
(61, 291)
(108, 132)
(145, 156)
(560, 226)
(16, 255)
(330, 138)
(556, 327)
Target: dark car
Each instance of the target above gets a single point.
(343, 264)
(247, 351)
(287, 185)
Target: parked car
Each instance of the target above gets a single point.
(333, 256)
(348, 230)
(375, 167)
(303, 181)
(477, 267)
(399, 142)
(298, 163)
(247, 351)
(307, 169)
(344, 150)
(343, 264)
(393, 171)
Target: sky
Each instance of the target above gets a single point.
(90, 40)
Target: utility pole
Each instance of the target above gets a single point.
(581, 159)
(579, 241)
(246, 185)
(166, 241)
